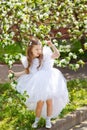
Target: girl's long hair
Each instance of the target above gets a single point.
(30, 55)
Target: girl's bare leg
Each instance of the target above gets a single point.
(49, 107)
(49, 113)
(39, 108)
(38, 113)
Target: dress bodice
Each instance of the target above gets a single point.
(47, 59)
(47, 62)
(34, 66)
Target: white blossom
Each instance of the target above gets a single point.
(10, 100)
(74, 56)
(81, 50)
(13, 84)
(77, 66)
(10, 75)
(70, 54)
(85, 45)
(85, 21)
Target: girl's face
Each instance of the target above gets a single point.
(36, 50)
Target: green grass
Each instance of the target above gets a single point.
(77, 94)
(13, 113)
(15, 116)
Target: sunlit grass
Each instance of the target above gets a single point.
(15, 116)
(77, 94)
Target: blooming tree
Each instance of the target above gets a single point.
(20, 19)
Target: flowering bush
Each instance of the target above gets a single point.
(20, 19)
(11, 75)
(10, 58)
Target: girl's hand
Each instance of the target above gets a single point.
(11, 71)
(49, 43)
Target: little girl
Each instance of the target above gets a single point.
(45, 85)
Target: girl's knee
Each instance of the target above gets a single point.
(49, 102)
(40, 103)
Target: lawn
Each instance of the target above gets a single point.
(15, 116)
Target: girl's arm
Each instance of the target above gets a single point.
(17, 74)
(56, 52)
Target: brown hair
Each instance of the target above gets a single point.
(29, 55)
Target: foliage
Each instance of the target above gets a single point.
(20, 19)
(15, 116)
(10, 53)
(77, 94)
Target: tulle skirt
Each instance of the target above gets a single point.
(43, 85)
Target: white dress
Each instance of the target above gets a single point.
(43, 83)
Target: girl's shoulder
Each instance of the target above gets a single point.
(24, 61)
(47, 53)
(47, 50)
